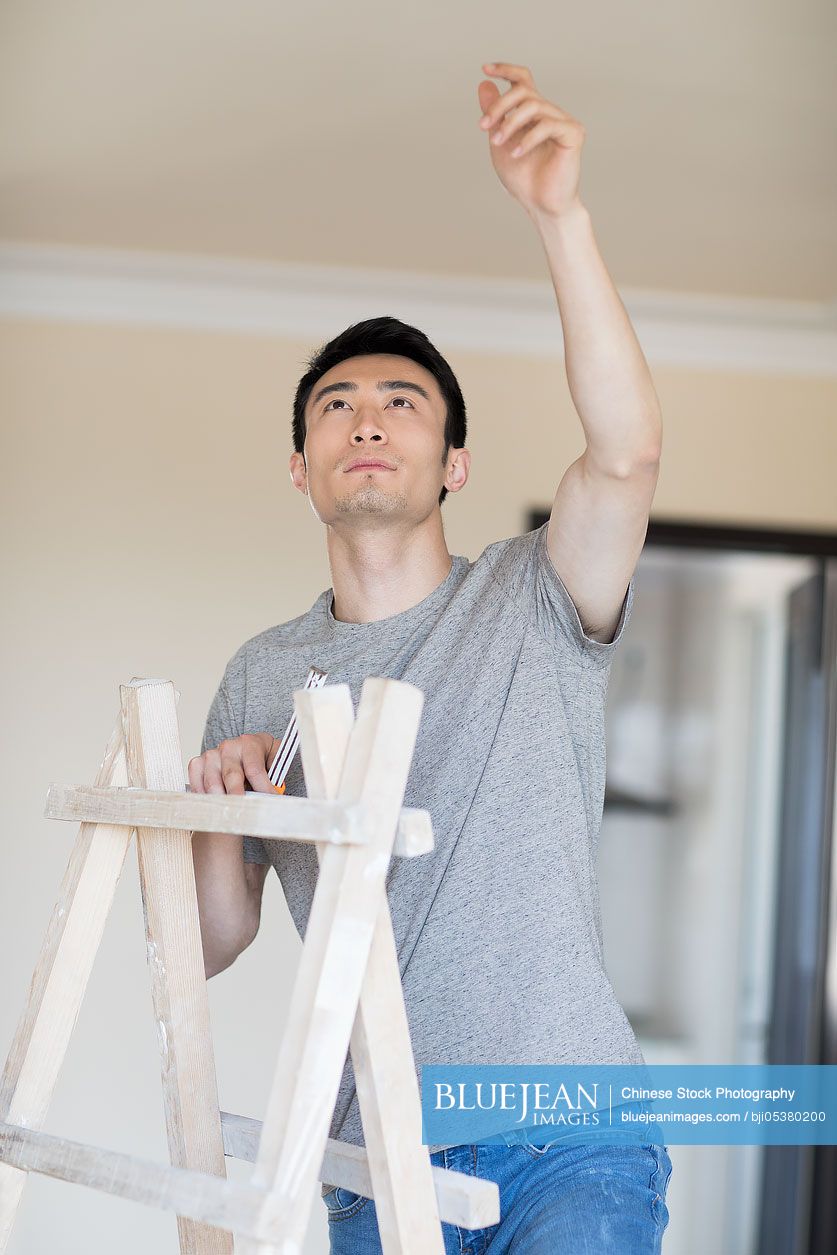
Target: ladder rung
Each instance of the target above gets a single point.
(253, 814)
(470, 1202)
(198, 1195)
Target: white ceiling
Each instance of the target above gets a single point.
(348, 134)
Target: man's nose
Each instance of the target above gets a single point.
(367, 427)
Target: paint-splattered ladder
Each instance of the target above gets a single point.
(347, 992)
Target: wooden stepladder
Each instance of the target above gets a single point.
(347, 992)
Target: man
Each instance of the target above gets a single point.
(498, 929)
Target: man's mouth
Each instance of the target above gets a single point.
(370, 466)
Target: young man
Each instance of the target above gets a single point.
(498, 930)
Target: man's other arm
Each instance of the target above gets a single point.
(229, 890)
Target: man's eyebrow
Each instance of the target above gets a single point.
(383, 385)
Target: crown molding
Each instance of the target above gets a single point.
(305, 302)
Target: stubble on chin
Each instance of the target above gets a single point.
(370, 498)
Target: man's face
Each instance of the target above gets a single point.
(354, 413)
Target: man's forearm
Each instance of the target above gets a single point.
(228, 915)
(607, 373)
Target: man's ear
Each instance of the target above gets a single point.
(299, 472)
(459, 466)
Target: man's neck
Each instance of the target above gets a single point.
(379, 572)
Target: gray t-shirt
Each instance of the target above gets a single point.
(498, 928)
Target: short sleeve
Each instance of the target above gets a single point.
(523, 567)
(222, 725)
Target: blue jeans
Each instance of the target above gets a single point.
(586, 1199)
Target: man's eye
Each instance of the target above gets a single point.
(341, 402)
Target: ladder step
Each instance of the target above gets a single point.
(214, 1200)
(470, 1202)
(251, 814)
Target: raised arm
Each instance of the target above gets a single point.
(599, 516)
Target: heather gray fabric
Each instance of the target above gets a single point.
(498, 928)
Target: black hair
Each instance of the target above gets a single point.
(385, 335)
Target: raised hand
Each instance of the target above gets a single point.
(535, 146)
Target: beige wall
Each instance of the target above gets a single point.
(150, 527)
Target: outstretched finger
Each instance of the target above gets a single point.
(514, 73)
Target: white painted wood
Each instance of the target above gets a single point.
(382, 1057)
(200, 1196)
(348, 987)
(61, 975)
(470, 1202)
(175, 955)
(254, 814)
(347, 898)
